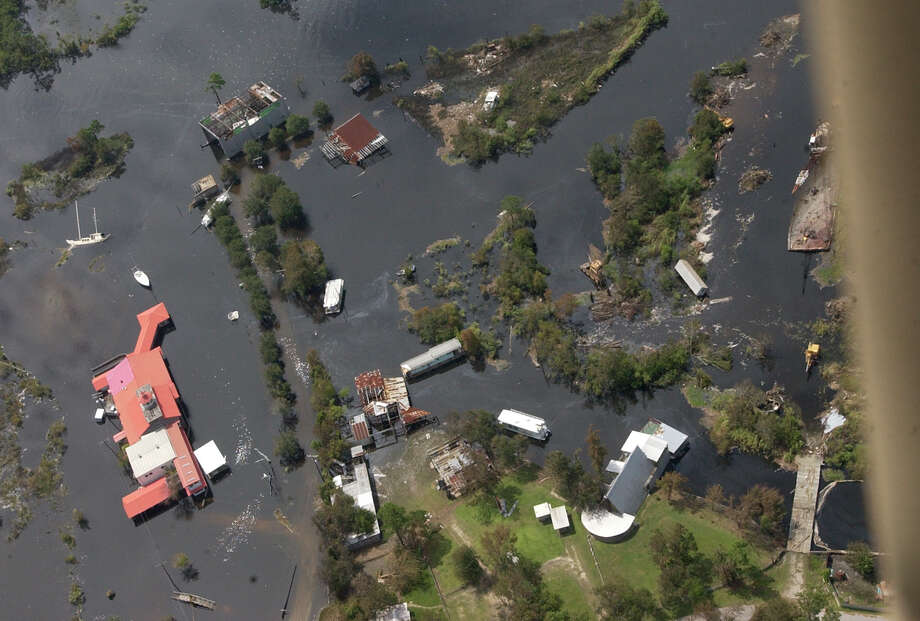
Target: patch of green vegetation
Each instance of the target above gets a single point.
(440, 245)
(697, 397)
(799, 58)
(110, 35)
(542, 77)
(752, 423)
(655, 215)
(731, 68)
(575, 600)
(398, 68)
(87, 161)
(437, 324)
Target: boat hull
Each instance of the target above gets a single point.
(89, 240)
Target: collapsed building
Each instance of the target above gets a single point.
(248, 116)
(386, 411)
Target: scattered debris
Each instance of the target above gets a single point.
(752, 179)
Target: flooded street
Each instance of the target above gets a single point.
(60, 322)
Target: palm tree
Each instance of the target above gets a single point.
(215, 83)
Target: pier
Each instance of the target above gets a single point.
(801, 524)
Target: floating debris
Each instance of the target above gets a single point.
(752, 179)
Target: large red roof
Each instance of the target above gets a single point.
(146, 497)
(356, 133)
(150, 320)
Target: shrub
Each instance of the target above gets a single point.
(304, 269)
(860, 558)
(286, 209)
(253, 151)
(438, 324)
(277, 137)
(700, 87)
(731, 68)
(297, 125)
(229, 174)
(466, 565)
(288, 449)
(321, 113)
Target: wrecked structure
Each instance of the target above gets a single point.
(455, 462)
(358, 486)
(386, 411)
(812, 224)
(248, 116)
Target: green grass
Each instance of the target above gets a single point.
(425, 593)
(695, 396)
(535, 540)
(560, 581)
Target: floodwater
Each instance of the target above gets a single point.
(61, 322)
(843, 519)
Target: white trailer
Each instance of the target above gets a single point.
(693, 280)
(431, 359)
(332, 300)
(524, 424)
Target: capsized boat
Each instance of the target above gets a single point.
(142, 279)
(92, 238)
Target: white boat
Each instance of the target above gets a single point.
(92, 238)
(233, 315)
(142, 279)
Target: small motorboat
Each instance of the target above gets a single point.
(142, 279)
(802, 178)
(233, 315)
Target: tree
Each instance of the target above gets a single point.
(395, 517)
(685, 574)
(406, 570)
(264, 239)
(288, 449)
(466, 565)
(361, 64)
(479, 427)
(812, 600)
(509, 451)
(215, 83)
(472, 346)
(860, 558)
(646, 144)
(277, 137)
(700, 87)
(438, 324)
(304, 269)
(715, 494)
(763, 505)
(596, 449)
(229, 175)
(618, 601)
(338, 567)
(286, 209)
(321, 113)
(733, 565)
(672, 481)
(297, 125)
(253, 151)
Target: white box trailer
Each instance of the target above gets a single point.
(693, 280)
(332, 300)
(431, 359)
(524, 424)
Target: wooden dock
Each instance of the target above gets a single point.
(194, 600)
(802, 522)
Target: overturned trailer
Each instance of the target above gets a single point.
(691, 278)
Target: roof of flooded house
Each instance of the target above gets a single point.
(674, 438)
(152, 451)
(146, 497)
(210, 458)
(369, 386)
(359, 428)
(432, 355)
(355, 139)
(241, 111)
(413, 415)
(187, 467)
(150, 320)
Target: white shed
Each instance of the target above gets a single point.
(211, 460)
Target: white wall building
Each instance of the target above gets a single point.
(150, 456)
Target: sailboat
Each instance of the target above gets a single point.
(142, 279)
(93, 238)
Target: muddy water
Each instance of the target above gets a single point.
(60, 322)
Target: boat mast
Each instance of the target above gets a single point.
(95, 224)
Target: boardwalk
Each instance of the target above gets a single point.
(801, 525)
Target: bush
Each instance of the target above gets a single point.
(277, 137)
(436, 325)
(304, 269)
(361, 64)
(860, 558)
(731, 68)
(297, 125)
(286, 209)
(706, 127)
(700, 87)
(288, 449)
(253, 151)
(229, 174)
(77, 597)
(321, 113)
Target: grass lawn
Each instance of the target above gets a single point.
(559, 580)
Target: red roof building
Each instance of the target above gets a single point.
(353, 141)
(146, 399)
(369, 386)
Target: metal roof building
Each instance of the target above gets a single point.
(432, 359)
(360, 490)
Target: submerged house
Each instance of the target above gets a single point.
(386, 411)
(153, 433)
(644, 457)
(353, 141)
(248, 116)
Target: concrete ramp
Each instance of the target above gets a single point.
(801, 525)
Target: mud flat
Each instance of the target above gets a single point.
(812, 226)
